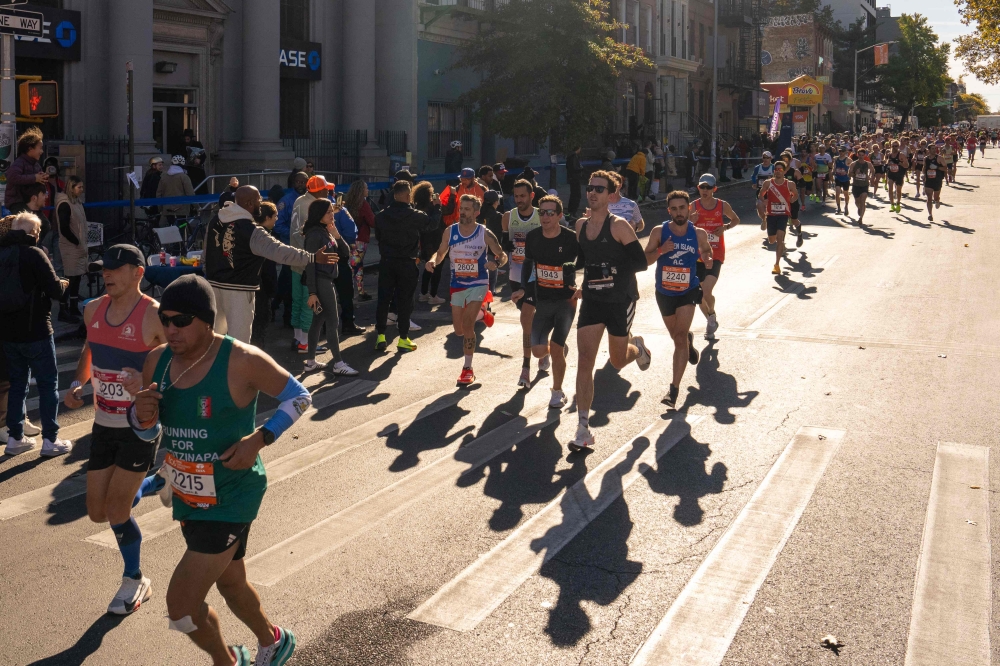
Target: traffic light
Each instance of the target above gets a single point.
(39, 99)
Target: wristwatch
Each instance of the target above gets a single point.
(267, 435)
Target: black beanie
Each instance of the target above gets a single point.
(190, 294)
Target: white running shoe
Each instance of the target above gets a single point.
(544, 363)
(341, 368)
(584, 440)
(423, 298)
(524, 381)
(18, 446)
(414, 326)
(392, 319)
(57, 448)
(712, 326)
(166, 493)
(312, 365)
(436, 300)
(30, 429)
(644, 358)
(558, 400)
(130, 595)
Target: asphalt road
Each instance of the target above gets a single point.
(420, 499)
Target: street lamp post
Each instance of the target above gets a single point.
(857, 107)
(715, 85)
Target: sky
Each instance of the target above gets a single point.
(944, 19)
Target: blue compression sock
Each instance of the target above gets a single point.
(129, 543)
(150, 485)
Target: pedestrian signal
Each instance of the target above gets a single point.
(39, 99)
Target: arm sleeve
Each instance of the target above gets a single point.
(265, 245)
(636, 256)
(64, 224)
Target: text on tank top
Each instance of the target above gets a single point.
(606, 274)
(468, 257)
(517, 229)
(113, 348)
(778, 199)
(675, 270)
(712, 221)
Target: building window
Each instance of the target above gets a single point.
(525, 145)
(673, 28)
(447, 122)
(684, 46)
(294, 107)
(295, 19)
(174, 110)
(628, 107)
(701, 41)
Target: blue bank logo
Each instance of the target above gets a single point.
(313, 60)
(66, 34)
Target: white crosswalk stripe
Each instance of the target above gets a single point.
(471, 596)
(952, 598)
(701, 623)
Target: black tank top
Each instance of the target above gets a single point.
(606, 274)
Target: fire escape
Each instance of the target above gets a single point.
(740, 67)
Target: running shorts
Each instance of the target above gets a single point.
(462, 297)
(896, 177)
(934, 184)
(552, 317)
(858, 190)
(776, 223)
(713, 271)
(880, 169)
(616, 317)
(121, 447)
(212, 537)
(843, 185)
(669, 304)
(529, 294)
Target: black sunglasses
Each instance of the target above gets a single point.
(179, 321)
(706, 186)
(596, 188)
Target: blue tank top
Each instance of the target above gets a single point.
(675, 270)
(468, 258)
(840, 171)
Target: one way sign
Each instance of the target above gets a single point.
(20, 22)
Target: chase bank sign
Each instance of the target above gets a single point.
(301, 60)
(60, 38)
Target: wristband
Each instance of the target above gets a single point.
(145, 434)
(75, 385)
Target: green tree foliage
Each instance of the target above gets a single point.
(980, 51)
(548, 69)
(846, 42)
(971, 105)
(931, 116)
(918, 72)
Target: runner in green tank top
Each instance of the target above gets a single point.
(200, 392)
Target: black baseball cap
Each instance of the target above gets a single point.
(117, 256)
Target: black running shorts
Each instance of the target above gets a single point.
(616, 317)
(858, 190)
(212, 537)
(776, 223)
(553, 318)
(119, 446)
(668, 304)
(713, 271)
(934, 184)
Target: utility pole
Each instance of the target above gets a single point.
(715, 85)
(857, 107)
(8, 102)
(129, 83)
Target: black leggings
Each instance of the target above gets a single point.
(327, 292)
(72, 295)
(432, 278)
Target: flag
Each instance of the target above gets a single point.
(776, 118)
(881, 54)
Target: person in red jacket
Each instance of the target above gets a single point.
(451, 195)
(357, 205)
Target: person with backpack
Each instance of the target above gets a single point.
(30, 284)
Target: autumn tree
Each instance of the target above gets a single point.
(548, 69)
(971, 105)
(980, 51)
(917, 72)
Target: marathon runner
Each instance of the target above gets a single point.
(622, 206)
(934, 174)
(897, 164)
(611, 256)
(917, 165)
(468, 242)
(676, 247)
(947, 157)
(201, 392)
(760, 173)
(860, 172)
(878, 169)
(116, 470)
(516, 224)
(982, 144)
(970, 145)
(842, 179)
(551, 251)
(775, 201)
(824, 160)
(716, 217)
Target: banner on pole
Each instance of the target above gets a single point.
(776, 118)
(881, 54)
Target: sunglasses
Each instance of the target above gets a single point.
(179, 321)
(596, 188)
(705, 186)
(551, 212)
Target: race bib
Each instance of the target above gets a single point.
(466, 268)
(674, 278)
(861, 176)
(193, 482)
(931, 173)
(712, 238)
(778, 208)
(894, 168)
(110, 395)
(841, 172)
(517, 256)
(549, 277)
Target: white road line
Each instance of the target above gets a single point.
(952, 598)
(160, 521)
(76, 485)
(702, 622)
(315, 542)
(770, 309)
(466, 600)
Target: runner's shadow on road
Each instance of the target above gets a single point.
(786, 285)
(614, 395)
(882, 233)
(716, 388)
(802, 265)
(955, 227)
(594, 566)
(454, 346)
(913, 222)
(681, 473)
(86, 645)
(424, 435)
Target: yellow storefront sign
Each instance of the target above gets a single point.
(805, 91)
